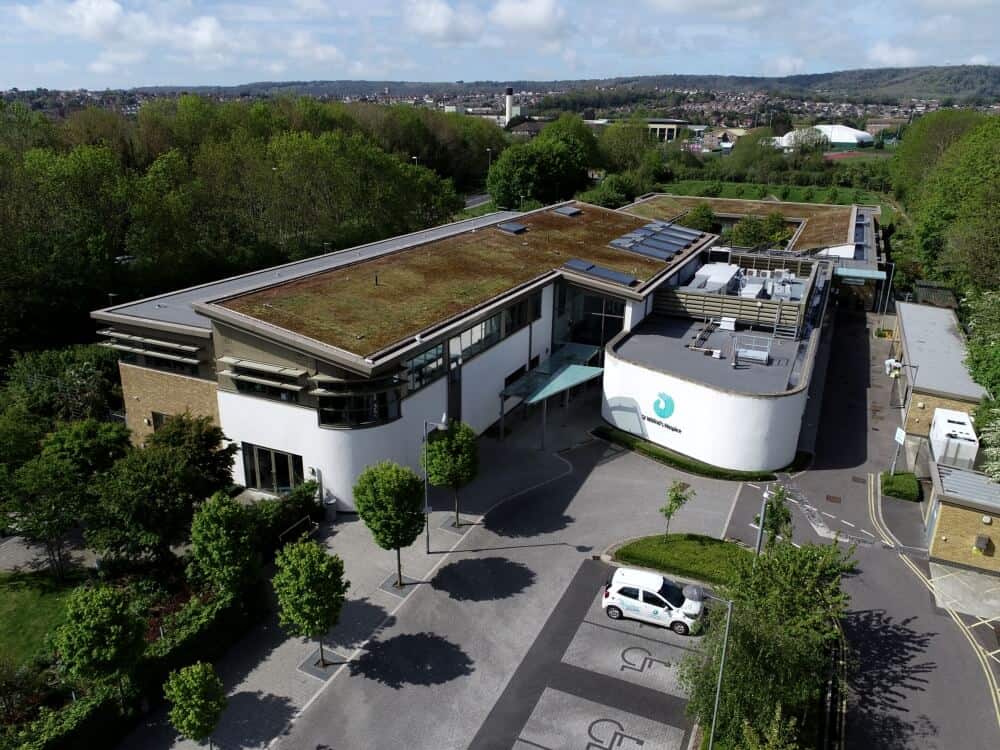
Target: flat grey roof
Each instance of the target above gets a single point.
(971, 486)
(935, 344)
(176, 308)
(660, 342)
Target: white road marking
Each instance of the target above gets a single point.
(866, 531)
(847, 523)
(828, 515)
(755, 486)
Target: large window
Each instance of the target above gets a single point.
(425, 368)
(524, 312)
(481, 336)
(361, 404)
(266, 391)
(270, 470)
(275, 386)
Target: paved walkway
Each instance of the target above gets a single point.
(446, 650)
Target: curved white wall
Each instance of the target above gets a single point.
(340, 455)
(730, 430)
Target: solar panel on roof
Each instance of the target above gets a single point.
(672, 245)
(622, 243)
(600, 272)
(650, 252)
(692, 233)
(567, 210)
(511, 227)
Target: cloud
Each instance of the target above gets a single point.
(439, 21)
(891, 56)
(304, 46)
(979, 60)
(731, 10)
(110, 60)
(784, 65)
(544, 17)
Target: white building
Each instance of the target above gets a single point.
(322, 367)
(834, 136)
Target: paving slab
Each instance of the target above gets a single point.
(562, 721)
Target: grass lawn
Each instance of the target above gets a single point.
(690, 555)
(31, 605)
(903, 485)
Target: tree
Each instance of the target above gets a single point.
(389, 499)
(144, 505)
(784, 621)
(44, 505)
(678, 494)
(197, 701)
(625, 143)
(101, 637)
(223, 549)
(546, 170)
(20, 686)
(65, 384)
(777, 516)
(92, 447)
(700, 217)
(780, 734)
(209, 458)
(925, 143)
(21, 435)
(990, 437)
(571, 130)
(310, 587)
(451, 459)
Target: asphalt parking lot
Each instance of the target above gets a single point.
(591, 682)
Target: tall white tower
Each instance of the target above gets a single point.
(509, 105)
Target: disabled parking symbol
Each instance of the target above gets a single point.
(638, 659)
(608, 734)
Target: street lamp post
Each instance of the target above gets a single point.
(415, 161)
(722, 666)
(489, 159)
(697, 593)
(427, 495)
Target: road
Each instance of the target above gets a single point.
(916, 681)
(471, 201)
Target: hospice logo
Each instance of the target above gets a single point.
(663, 407)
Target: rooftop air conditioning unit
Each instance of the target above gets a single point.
(953, 439)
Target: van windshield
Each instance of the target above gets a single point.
(672, 593)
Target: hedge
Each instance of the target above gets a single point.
(902, 485)
(685, 463)
(703, 558)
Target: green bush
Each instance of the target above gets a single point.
(703, 558)
(902, 485)
(677, 460)
(94, 720)
(273, 516)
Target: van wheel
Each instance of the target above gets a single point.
(614, 613)
(679, 627)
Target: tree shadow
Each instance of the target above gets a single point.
(359, 621)
(483, 579)
(884, 667)
(412, 659)
(520, 518)
(252, 719)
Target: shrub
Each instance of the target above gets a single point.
(902, 485)
(703, 558)
(273, 516)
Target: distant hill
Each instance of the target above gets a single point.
(958, 82)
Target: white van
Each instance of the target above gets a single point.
(640, 595)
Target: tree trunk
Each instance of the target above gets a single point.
(666, 531)
(322, 658)
(458, 521)
(399, 570)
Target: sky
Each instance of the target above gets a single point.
(100, 44)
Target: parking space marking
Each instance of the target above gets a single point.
(828, 515)
(846, 523)
(561, 721)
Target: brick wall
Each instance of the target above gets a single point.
(961, 526)
(145, 391)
